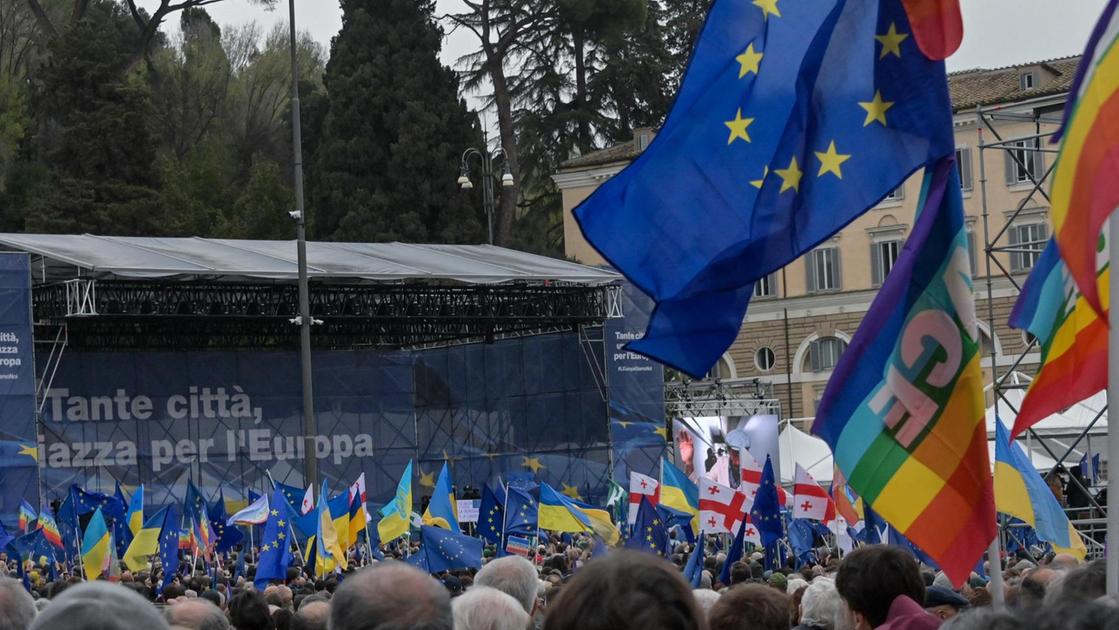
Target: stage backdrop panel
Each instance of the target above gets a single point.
(18, 467)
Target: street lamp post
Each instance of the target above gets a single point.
(310, 464)
(487, 160)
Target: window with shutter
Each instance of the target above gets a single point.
(963, 164)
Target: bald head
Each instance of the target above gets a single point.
(314, 615)
(198, 614)
(391, 595)
(99, 605)
(17, 609)
(1064, 561)
(514, 576)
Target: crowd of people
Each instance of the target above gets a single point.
(874, 586)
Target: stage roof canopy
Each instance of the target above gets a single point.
(105, 257)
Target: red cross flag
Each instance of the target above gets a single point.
(721, 509)
(750, 473)
(751, 534)
(642, 486)
(810, 500)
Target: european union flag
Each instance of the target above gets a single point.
(169, 548)
(875, 527)
(737, 549)
(793, 119)
(86, 502)
(68, 525)
(225, 535)
(649, 531)
(490, 516)
(520, 512)
(293, 498)
(766, 512)
(801, 537)
(275, 548)
(445, 550)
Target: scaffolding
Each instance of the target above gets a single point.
(1020, 151)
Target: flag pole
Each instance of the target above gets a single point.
(1112, 561)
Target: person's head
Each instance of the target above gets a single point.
(625, 590)
(390, 595)
(706, 599)
(944, 603)
(99, 605)
(820, 605)
(750, 607)
(278, 595)
(1032, 588)
(17, 608)
(486, 608)
(740, 572)
(197, 614)
(1086, 583)
(512, 575)
(214, 597)
(983, 619)
(249, 611)
(1064, 561)
(312, 615)
(870, 578)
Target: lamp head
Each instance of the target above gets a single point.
(464, 182)
(507, 180)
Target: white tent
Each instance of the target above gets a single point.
(798, 447)
(1059, 431)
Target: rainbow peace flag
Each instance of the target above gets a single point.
(903, 411)
(1073, 340)
(27, 516)
(1085, 190)
(50, 528)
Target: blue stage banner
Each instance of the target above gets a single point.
(226, 419)
(19, 474)
(636, 387)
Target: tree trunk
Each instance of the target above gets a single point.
(42, 18)
(503, 100)
(585, 142)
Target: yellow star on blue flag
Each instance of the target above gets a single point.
(792, 120)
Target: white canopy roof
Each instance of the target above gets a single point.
(1071, 421)
(147, 257)
(798, 447)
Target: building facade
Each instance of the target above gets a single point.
(803, 316)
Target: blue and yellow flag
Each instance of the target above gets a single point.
(441, 510)
(135, 516)
(275, 548)
(559, 513)
(396, 515)
(95, 546)
(678, 492)
(491, 515)
(793, 118)
(328, 551)
(521, 512)
(339, 507)
(145, 542)
(1022, 493)
(443, 550)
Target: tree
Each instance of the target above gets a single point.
(94, 133)
(395, 128)
(261, 212)
(144, 31)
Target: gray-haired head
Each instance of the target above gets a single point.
(17, 608)
(391, 595)
(99, 606)
(706, 598)
(984, 619)
(198, 614)
(486, 608)
(512, 575)
(312, 615)
(821, 605)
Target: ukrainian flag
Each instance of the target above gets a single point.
(135, 517)
(95, 546)
(145, 542)
(442, 510)
(1021, 493)
(678, 492)
(340, 513)
(558, 513)
(396, 515)
(328, 551)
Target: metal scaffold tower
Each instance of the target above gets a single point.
(1008, 382)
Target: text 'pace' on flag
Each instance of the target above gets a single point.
(1022, 493)
(792, 120)
(904, 410)
(1072, 336)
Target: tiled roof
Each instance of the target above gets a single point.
(972, 88)
(969, 89)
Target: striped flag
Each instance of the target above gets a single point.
(809, 499)
(642, 486)
(1085, 190)
(904, 410)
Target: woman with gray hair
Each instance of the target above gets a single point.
(820, 606)
(486, 608)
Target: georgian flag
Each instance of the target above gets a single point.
(358, 489)
(751, 534)
(721, 509)
(810, 500)
(642, 486)
(750, 475)
(309, 501)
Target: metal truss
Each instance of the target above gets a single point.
(718, 398)
(1038, 196)
(190, 315)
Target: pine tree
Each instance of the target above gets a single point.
(388, 155)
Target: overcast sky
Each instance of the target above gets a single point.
(997, 32)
